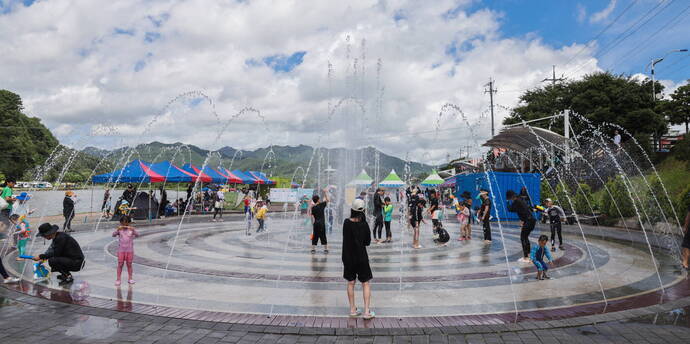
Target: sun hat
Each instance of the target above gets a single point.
(358, 204)
(47, 229)
(548, 200)
(24, 196)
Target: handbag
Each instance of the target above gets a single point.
(3, 204)
(218, 204)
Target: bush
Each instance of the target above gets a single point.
(620, 193)
(681, 150)
(583, 200)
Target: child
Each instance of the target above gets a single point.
(556, 216)
(463, 219)
(387, 217)
(416, 220)
(125, 250)
(22, 233)
(537, 255)
(261, 215)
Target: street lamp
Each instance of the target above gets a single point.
(654, 62)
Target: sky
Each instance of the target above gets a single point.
(407, 77)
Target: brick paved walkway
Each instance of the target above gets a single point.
(27, 319)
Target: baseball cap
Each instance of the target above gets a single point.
(358, 204)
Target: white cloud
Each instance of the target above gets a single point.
(120, 63)
(603, 14)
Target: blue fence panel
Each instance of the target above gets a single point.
(500, 183)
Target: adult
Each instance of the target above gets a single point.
(68, 210)
(64, 254)
(190, 188)
(616, 138)
(319, 221)
(527, 222)
(433, 206)
(164, 200)
(356, 238)
(6, 195)
(129, 194)
(686, 240)
(378, 214)
(106, 198)
(218, 203)
(484, 215)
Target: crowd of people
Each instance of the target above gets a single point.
(64, 256)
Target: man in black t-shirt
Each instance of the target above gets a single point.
(319, 221)
(528, 222)
(484, 215)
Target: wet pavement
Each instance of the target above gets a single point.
(25, 319)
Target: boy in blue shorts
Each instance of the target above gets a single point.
(538, 253)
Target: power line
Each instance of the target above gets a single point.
(637, 49)
(602, 31)
(627, 33)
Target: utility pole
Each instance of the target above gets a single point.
(491, 92)
(553, 78)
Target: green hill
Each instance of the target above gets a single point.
(282, 163)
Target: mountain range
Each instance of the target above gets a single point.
(283, 162)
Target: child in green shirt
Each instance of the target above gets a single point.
(387, 217)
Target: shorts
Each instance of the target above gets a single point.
(303, 211)
(413, 222)
(360, 271)
(127, 257)
(435, 222)
(541, 265)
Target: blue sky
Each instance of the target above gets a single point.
(561, 23)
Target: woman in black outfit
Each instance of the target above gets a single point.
(356, 238)
(68, 211)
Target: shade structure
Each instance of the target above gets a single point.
(174, 174)
(432, 180)
(216, 178)
(361, 179)
(392, 181)
(137, 171)
(261, 178)
(246, 179)
(450, 182)
(231, 178)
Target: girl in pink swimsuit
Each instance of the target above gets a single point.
(125, 250)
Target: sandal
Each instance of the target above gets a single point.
(356, 314)
(369, 316)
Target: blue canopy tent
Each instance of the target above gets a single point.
(246, 179)
(207, 171)
(261, 178)
(172, 173)
(136, 171)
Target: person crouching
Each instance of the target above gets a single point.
(538, 253)
(64, 254)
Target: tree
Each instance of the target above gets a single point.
(599, 97)
(25, 142)
(680, 106)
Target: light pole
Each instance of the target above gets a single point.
(657, 60)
